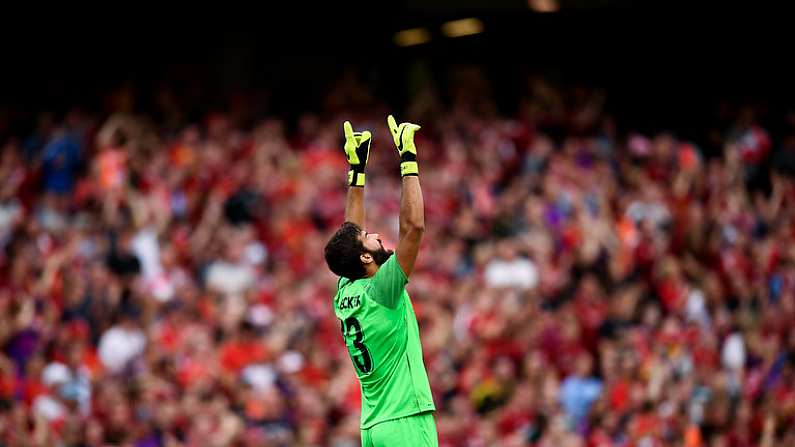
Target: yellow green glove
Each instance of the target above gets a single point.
(357, 149)
(403, 136)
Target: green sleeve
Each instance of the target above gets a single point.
(388, 283)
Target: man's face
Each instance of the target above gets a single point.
(372, 243)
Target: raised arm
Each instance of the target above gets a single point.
(357, 150)
(412, 223)
(412, 206)
(354, 206)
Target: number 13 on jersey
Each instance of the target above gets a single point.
(361, 357)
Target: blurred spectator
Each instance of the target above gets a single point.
(579, 390)
(120, 344)
(510, 270)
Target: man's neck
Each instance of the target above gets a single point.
(370, 271)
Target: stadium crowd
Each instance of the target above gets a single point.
(580, 283)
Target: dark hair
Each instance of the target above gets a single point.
(343, 250)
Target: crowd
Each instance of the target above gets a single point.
(579, 283)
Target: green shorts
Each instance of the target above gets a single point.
(417, 430)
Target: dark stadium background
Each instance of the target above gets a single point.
(664, 64)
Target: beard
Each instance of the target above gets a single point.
(381, 255)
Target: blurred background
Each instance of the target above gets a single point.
(608, 258)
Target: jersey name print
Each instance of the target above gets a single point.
(349, 302)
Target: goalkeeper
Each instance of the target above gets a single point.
(376, 316)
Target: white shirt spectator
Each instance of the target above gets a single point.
(261, 376)
(696, 308)
(49, 407)
(733, 353)
(229, 278)
(55, 374)
(520, 273)
(119, 345)
(655, 212)
(509, 270)
(145, 247)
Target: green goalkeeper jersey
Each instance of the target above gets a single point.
(380, 330)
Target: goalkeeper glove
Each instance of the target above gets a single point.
(357, 149)
(403, 135)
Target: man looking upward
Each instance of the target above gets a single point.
(377, 319)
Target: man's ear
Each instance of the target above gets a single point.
(366, 258)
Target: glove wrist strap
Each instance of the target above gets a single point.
(356, 177)
(409, 168)
(408, 164)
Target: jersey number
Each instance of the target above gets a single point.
(363, 362)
